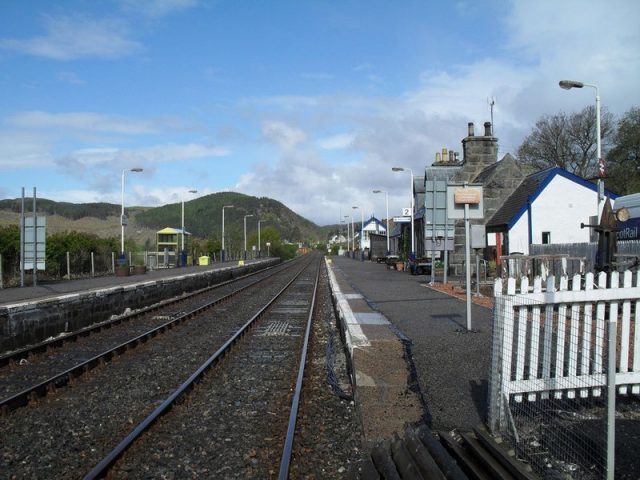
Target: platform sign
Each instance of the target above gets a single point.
(438, 232)
(35, 242)
(401, 219)
(459, 195)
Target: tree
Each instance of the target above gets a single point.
(623, 161)
(567, 141)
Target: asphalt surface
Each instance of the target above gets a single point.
(452, 365)
(62, 287)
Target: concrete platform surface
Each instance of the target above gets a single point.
(53, 289)
(452, 365)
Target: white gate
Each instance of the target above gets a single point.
(552, 341)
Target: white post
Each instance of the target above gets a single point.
(1, 284)
(113, 262)
(467, 260)
(611, 382)
(93, 271)
(68, 267)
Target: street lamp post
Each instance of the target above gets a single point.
(222, 259)
(386, 198)
(259, 244)
(568, 85)
(348, 246)
(612, 323)
(403, 169)
(184, 259)
(245, 234)
(122, 217)
(361, 232)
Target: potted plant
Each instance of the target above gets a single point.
(121, 268)
(139, 266)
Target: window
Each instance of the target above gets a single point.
(546, 238)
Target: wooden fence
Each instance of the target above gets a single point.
(552, 341)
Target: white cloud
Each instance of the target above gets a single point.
(24, 150)
(74, 37)
(70, 77)
(284, 136)
(87, 121)
(157, 8)
(336, 142)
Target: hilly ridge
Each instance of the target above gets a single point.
(203, 217)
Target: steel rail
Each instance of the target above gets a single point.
(101, 469)
(57, 342)
(293, 415)
(41, 389)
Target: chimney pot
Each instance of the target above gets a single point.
(487, 129)
(452, 157)
(437, 157)
(470, 129)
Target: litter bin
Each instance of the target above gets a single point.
(204, 260)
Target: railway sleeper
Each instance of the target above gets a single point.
(421, 454)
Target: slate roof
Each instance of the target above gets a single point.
(485, 174)
(515, 206)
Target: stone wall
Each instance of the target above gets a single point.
(34, 321)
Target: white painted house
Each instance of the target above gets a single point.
(373, 225)
(547, 207)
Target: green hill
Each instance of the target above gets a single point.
(203, 218)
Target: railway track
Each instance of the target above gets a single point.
(34, 371)
(72, 429)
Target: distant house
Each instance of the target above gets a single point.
(547, 207)
(373, 225)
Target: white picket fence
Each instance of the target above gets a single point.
(552, 341)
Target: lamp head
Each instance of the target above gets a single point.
(377, 191)
(569, 84)
(137, 169)
(355, 207)
(397, 169)
(622, 215)
(228, 206)
(193, 191)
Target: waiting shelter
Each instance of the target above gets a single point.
(169, 244)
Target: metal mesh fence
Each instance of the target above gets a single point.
(550, 354)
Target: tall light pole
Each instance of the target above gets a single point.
(123, 222)
(245, 234)
(386, 198)
(356, 207)
(568, 85)
(612, 323)
(404, 169)
(348, 246)
(189, 191)
(259, 244)
(222, 252)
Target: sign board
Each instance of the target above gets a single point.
(406, 212)
(438, 232)
(439, 244)
(478, 236)
(124, 220)
(459, 195)
(401, 219)
(35, 242)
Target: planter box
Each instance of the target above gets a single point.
(122, 271)
(139, 269)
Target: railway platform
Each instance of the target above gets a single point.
(34, 313)
(448, 367)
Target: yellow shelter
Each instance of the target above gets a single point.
(169, 241)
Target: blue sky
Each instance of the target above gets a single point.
(307, 102)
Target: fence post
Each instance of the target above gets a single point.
(113, 262)
(611, 382)
(1, 284)
(68, 267)
(93, 270)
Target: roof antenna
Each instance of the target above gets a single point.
(491, 101)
